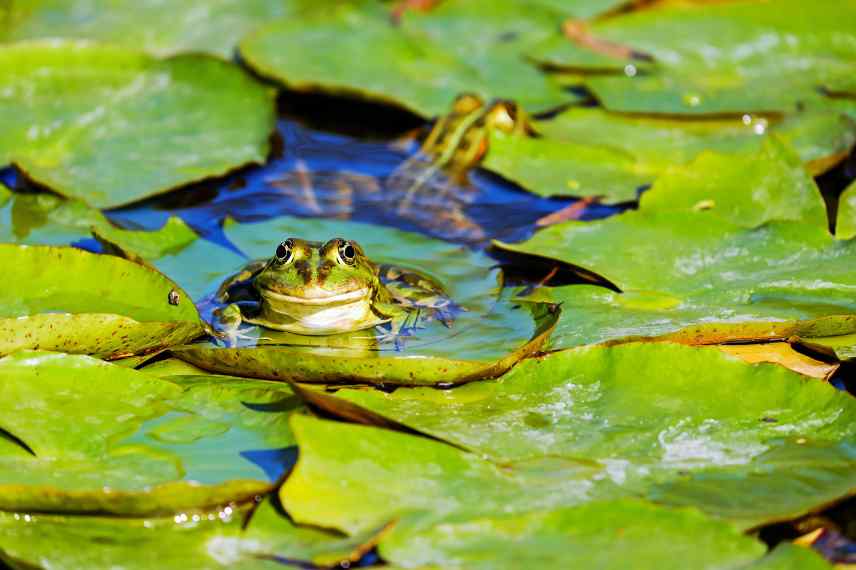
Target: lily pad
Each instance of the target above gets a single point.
(846, 226)
(108, 439)
(75, 301)
(198, 26)
(727, 248)
(422, 63)
(189, 540)
(733, 57)
(486, 339)
(592, 152)
(606, 535)
(138, 245)
(111, 126)
(595, 423)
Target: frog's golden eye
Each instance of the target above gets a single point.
(347, 252)
(284, 251)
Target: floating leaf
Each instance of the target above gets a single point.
(45, 219)
(753, 259)
(421, 64)
(591, 152)
(138, 245)
(188, 540)
(773, 440)
(71, 300)
(109, 439)
(111, 126)
(197, 25)
(732, 57)
(487, 338)
(781, 353)
(606, 535)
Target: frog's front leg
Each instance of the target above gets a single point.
(398, 328)
(227, 325)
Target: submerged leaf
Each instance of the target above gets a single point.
(111, 126)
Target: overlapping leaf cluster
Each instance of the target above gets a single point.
(604, 451)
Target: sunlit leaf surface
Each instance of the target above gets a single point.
(729, 57)
(197, 25)
(111, 126)
(633, 412)
(107, 439)
(704, 263)
(421, 64)
(67, 299)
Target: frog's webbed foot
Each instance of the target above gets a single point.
(398, 331)
(228, 330)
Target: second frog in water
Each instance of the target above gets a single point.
(314, 288)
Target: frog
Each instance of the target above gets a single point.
(430, 189)
(314, 288)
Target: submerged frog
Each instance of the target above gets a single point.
(430, 189)
(313, 288)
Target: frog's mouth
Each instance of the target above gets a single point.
(322, 299)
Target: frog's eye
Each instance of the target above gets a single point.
(283, 251)
(347, 252)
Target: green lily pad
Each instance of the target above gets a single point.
(606, 535)
(198, 26)
(140, 246)
(845, 228)
(592, 152)
(487, 338)
(71, 300)
(635, 410)
(111, 126)
(422, 63)
(733, 57)
(200, 540)
(108, 439)
(727, 248)
(787, 556)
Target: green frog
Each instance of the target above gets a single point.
(316, 289)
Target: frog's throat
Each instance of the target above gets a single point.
(348, 313)
(337, 299)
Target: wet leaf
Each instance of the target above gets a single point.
(781, 353)
(421, 64)
(188, 540)
(109, 439)
(198, 26)
(703, 263)
(111, 126)
(619, 534)
(591, 152)
(786, 556)
(775, 441)
(75, 301)
(731, 57)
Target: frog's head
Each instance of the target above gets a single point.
(318, 288)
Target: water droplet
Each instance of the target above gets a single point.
(630, 70)
(747, 119)
(692, 99)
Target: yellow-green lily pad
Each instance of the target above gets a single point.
(205, 540)
(732, 57)
(162, 29)
(728, 248)
(103, 438)
(111, 126)
(422, 63)
(75, 301)
(583, 425)
(486, 338)
(592, 152)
